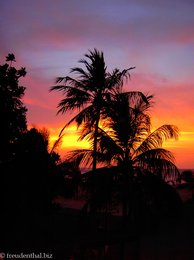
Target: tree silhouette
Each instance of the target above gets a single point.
(29, 183)
(12, 110)
(10, 57)
(126, 139)
(137, 146)
(89, 92)
(126, 143)
(32, 188)
(134, 155)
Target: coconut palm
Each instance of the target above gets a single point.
(128, 146)
(126, 141)
(129, 131)
(89, 92)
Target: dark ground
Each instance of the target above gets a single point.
(68, 235)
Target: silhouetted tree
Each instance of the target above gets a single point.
(126, 139)
(30, 177)
(10, 57)
(89, 92)
(12, 110)
(127, 145)
(38, 168)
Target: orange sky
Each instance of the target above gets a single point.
(173, 104)
(182, 148)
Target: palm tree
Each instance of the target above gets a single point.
(129, 131)
(126, 139)
(89, 93)
(127, 145)
(127, 142)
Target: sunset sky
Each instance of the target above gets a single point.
(157, 37)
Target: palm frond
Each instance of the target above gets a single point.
(57, 143)
(83, 75)
(158, 161)
(108, 149)
(86, 132)
(79, 118)
(138, 99)
(80, 157)
(115, 80)
(126, 121)
(159, 153)
(157, 137)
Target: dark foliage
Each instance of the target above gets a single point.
(12, 110)
(29, 176)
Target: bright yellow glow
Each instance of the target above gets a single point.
(185, 140)
(181, 148)
(69, 140)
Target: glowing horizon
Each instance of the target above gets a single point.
(70, 142)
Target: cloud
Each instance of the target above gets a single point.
(61, 23)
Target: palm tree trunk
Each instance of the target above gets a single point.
(124, 214)
(95, 144)
(94, 163)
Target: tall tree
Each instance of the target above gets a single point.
(126, 140)
(89, 92)
(129, 129)
(127, 143)
(136, 151)
(12, 110)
